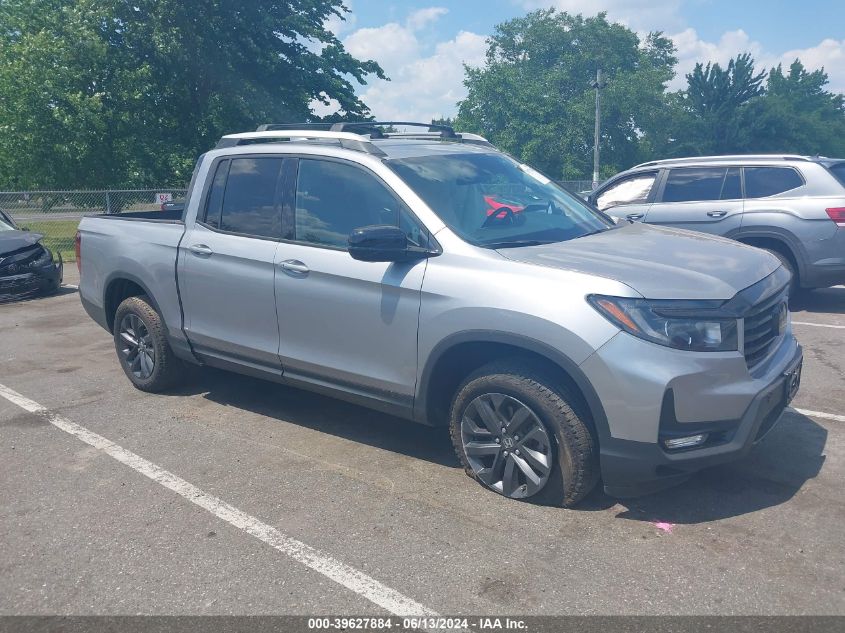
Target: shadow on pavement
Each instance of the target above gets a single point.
(324, 414)
(38, 297)
(769, 475)
(827, 300)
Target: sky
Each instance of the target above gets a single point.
(423, 44)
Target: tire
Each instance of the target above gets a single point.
(134, 317)
(570, 458)
(786, 262)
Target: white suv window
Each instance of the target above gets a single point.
(694, 184)
(633, 190)
(761, 182)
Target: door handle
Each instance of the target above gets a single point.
(717, 214)
(295, 266)
(200, 249)
(635, 216)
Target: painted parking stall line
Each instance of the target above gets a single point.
(835, 327)
(820, 414)
(349, 577)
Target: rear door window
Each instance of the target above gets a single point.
(214, 202)
(761, 182)
(732, 185)
(251, 204)
(632, 190)
(694, 184)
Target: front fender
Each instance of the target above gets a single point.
(570, 367)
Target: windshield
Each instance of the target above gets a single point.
(4, 225)
(493, 201)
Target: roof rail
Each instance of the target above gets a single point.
(373, 128)
(725, 157)
(446, 131)
(347, 140)
(460, 137)
(355, 135)
(273, 127)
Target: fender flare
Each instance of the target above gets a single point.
(118, 276)
(567, 365)
(789, 241)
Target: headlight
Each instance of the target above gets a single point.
(46, 257)
(670, 323)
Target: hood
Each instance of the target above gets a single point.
(11, 241)
(657, 262)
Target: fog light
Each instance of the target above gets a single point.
(685, 442)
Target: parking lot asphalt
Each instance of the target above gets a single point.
(382, 501)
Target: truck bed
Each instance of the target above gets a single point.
(139, 247)
(170, 215)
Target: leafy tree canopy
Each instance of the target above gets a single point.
(105, 92)
(534, 96)
(795, 115)
(99, 93)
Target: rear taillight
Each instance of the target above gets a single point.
(78, 247)
(837, 214)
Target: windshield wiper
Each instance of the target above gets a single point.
(602, 230)
(516, 243)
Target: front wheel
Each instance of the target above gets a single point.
(142, 348)
(520, 437)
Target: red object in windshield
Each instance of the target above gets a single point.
(495, 205)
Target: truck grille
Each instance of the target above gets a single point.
(762, 329)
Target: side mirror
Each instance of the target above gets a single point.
(382, 243)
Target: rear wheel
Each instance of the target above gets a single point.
(142, 348)
(518, 436)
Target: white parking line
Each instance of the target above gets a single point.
(836, 327)
(354, 580)
(71, 286)
(820, 414)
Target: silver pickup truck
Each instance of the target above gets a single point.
(431, 276)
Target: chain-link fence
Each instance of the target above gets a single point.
(576, 186)
(56, 214)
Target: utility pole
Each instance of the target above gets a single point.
(597, 85)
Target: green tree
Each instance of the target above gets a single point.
(796, 115)
(739, 110)
(107, 92)
(715, 99)
(533, 96)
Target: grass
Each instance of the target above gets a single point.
(59, 236)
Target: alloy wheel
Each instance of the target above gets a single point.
(136, 346)
(506, 445)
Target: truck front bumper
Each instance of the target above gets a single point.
(660, 394)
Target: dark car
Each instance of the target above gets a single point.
(173, 206)
(27, 267)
